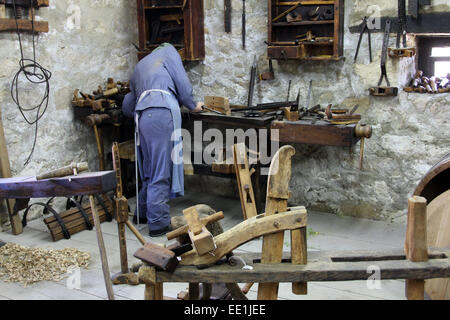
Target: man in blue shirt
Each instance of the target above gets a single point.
(159, 86)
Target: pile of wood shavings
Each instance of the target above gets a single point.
(30, 265)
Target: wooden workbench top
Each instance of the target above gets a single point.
(81, 184)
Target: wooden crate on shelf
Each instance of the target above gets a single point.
(178, 22)
(306, 30)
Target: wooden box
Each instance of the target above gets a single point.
(306, 30)
(178, 22)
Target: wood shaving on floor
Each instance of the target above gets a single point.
(31, 265)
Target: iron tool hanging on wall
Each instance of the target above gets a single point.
(384, 91)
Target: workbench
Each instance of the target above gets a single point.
(89, 183)
(302, 131)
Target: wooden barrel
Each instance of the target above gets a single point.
(435, 187)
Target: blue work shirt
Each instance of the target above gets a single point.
(162, 69)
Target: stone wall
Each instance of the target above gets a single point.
(410, 131)
(88, 41)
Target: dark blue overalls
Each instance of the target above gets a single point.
(158, 86)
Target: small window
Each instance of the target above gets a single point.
(434, 56)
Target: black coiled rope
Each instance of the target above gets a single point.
(35, 74)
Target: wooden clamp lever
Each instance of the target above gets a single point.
(362, 131)
(72, 169)
(204, 221)
(202, 240)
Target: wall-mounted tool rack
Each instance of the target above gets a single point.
(306, 30)
(25, 15)
(179, 22)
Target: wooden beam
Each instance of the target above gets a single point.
(5, 172)
(322, 266)
(416, 243)
(427, 23)
(24, 25)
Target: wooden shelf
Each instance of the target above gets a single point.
(328, 22)
(24, 25)
(301, 23)
(189, 39)
(304, 3)
(163, 7)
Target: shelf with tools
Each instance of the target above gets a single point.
(305, 30)
(178, 22)
(25, 12)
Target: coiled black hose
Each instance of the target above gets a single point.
(35, 74)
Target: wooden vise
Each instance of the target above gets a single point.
(202, 240)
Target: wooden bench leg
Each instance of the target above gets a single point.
(416, 243)
(101, 246)
(194, 291)
(153, 289)
(299, 256)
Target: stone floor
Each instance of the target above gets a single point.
(327, 232)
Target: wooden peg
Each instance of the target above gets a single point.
(202, 240)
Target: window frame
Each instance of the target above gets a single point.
(425, 61)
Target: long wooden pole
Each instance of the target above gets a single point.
(5, 172)
(101, 247)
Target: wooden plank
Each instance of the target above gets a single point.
(5, 172)
(276, 202)
(416, 243)
(142, 25)
(320, 133)
(82, 184)
(438, 224)
(246, 231)
(321, 267)
(102, 249)
(24, 25)
(194, 34)
(220, 104)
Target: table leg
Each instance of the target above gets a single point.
(101, 246)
